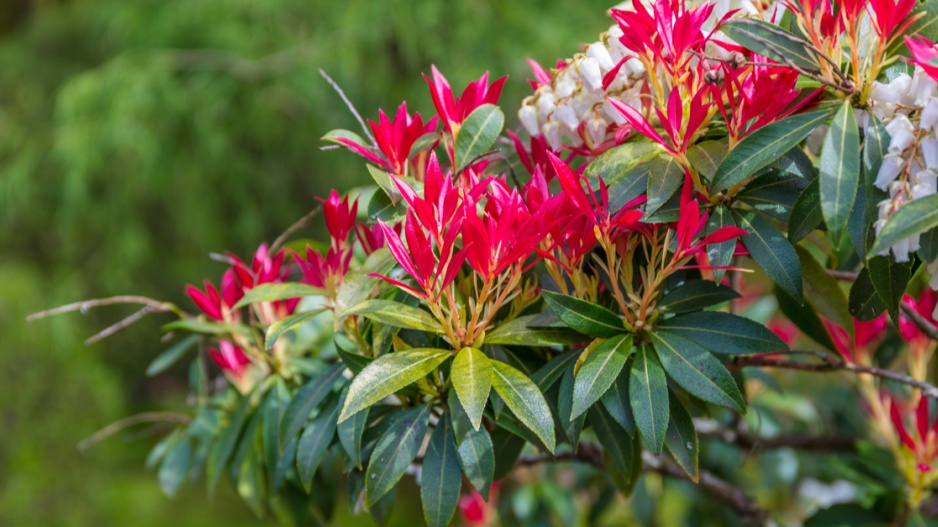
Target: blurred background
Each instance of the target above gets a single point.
(137, 136)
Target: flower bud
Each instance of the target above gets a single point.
(929, 115)
(901, 131)
(565, 114)
(596, 130)
(553, 134)
(528, 116)
(612, 114)
(598, 51)
(923, 87)
(590, 75)
(885, 93)
(889, 170)
(929, 147)
(565, 84)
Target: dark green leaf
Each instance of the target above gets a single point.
(806, 215)
(617, 403)
(477, 459)
(668, 176)
(875, 146)
(624, 169)
(441, 476)
(471, 376)
(395, 451)
(760, 148)
(277, 291)
(681, 439)
(570, 424)
(518, 332)
(396, 314)
(225, 445)
(648, 393)
(622, 461)
(840, 170)
(774, 254)
(478, 133)
(274, 407)
(695, 295)
(805, 318)
(823, 291)
(388, 374)
(705, 157)
(508, 448)
(600, 369)
(773, 194)
(164, 360)
(350, 432)
(525, 401)
(858, 225)
(723, 333)
(697, 371)
(864, 302)
(890, 280)
(175, 466)
(929, 246)
(584, 317)
(770, 40)
(305, 400)
(720, 254)
(283, 325)
(913, 218)
(314, 441)
(548, 374)
(353, 361)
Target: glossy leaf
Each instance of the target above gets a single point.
(277, 291)
(864, 302)
(913, 218)
(681, 439)
(622, 456)
(667, 178)
(226, 443)
(770, 40)
(525, 400)
(305, 400)
(824, 292)
(648, 393)
(597, 373)
(517, 332)
(478, 133)
(314, 441)
(570, 425)
(395, 451)
(840, 170)
(350, 432)
(695, 295)
(388, 374)
(441, 476)
(584, 317)
(358, 284)
(805, 317)
(705, 157)
(396, 314)
(697, 371)
(278, 328)
(165, 360)
(274, 407)
(890, 280)
(760, 148)
(723, 333)
(548, 374)
(175, 466)
(720, 254)
(624, 169)
(774, 254)
(477, 459)
(806, 215)
(471, 376)
(618, 404)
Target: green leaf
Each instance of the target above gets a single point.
(508, 449)
(760, 148)
(471, 375)
(274, 407)
(618, 404)
(875, 146)
(277, 291)
(840, 170)
(278, 328)
(584, 317)
(165, 360)
(705, 157)
(648, 393)
(823, 291)
(570, 425)
(525, 401)
(723, 333)
(548, 374)
(913, 218)
(460, 421)
(773, 194)
(697, 371)
(599, 371)
(890, 280)
(350, 432)
(388, 374)
(175, 466)
(441, 476)
(210, 328)
(226, 443)
(305, 400)
(667, 177)
(353, 361)
(770, 40)
(622, 456)
(395, 451)
(333, 136)
(774, 254)
(314, 441)
(681, 439)
(624, 169)
(720, 254)
(358, 284)
(396, 314)
(518, 333)
(806, 215)
(805, 318)
(477, 459)
(478, 133)
(864, 302)
(860, 220)
(695, 295)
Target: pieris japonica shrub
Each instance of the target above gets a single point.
(704, 199)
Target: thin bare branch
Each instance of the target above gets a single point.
(744, 438)
(301, 223)
(112, 329)
(133, 420)
(348, 103)
(155, 305)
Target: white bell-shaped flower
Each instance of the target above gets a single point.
(889, 170)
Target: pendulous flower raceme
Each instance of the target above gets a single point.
(608, 283)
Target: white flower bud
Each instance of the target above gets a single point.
(900, 86)
(528, 116)
(889, 170)
(863, 118)
(929, 115)
(612, 114)
(565, 83)
(925, 185)
(923, 87)
(634, 67)
(546, 102)
(553, 134)
(598, 51)
(590, 75)
(929, 147)
(565, 114)
(884, 93)
(901, 131)
(596, 130)
(901, 250)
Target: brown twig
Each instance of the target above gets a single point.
(133, 420)
(155, 306)
(301, 223)
(112, 329)
(348, 103)
(746, 439)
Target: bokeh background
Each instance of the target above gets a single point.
(137, 136)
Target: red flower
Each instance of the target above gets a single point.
(891, 18)
(923, 52)
(209, 301)
(324, 272)
(230, 358)
(440, 202)
(395, 139)
(340, 218)
(689, 227)
(264, 269)
(680, 131)
(756, 97)
(924, 305)
(666, 33)
(924, 445)
(454, 110)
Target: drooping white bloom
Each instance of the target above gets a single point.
(901, 132)
(590, 74)
(929, 115)
(598, 52)
(528, 116)
(929, 147)
(889, 170)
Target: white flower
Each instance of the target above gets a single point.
(596, 130)
(886, 93)
(889, 170)
(598, 52)
(929, 115)
(553, 134)
(528, 116)
(565, 114)
(925, 186)
(923, 87)
(929, 147)
(902, 133)
(590, 74)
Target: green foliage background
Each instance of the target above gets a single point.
(136, 137)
